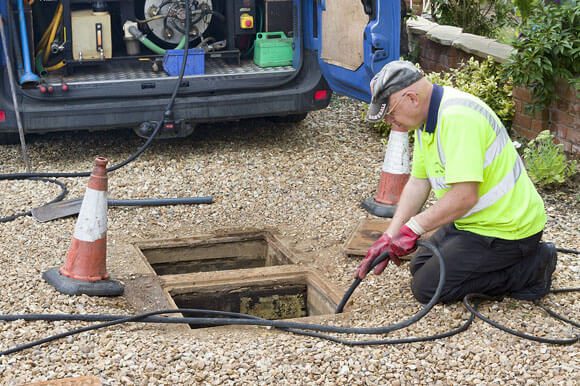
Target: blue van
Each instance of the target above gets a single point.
(105, 64)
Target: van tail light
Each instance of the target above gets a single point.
(2, 115)
(321, 95)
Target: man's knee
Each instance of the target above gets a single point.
(422, 289)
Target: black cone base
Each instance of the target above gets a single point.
(378, 209)
(69, 286)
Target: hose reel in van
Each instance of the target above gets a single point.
(166, 18)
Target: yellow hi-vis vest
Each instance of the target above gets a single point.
(470, 144)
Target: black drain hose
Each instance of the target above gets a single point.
(244, 319)
(111, 320)
(307, 329)
(467, 303)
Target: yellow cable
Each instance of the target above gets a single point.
(46, 34)
(44, 37)
(49, 28)
(53, 33)
(57, 66)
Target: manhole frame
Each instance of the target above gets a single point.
(319, 287)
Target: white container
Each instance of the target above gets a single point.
(91, 35)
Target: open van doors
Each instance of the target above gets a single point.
(356, 39)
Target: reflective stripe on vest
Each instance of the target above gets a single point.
(494, 150)
(498, 191)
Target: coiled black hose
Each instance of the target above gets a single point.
(467, 303)
(312, 330)
(309, 329)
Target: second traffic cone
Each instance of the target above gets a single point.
(394, 175)
(85, 271)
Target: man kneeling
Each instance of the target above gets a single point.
(490, 216)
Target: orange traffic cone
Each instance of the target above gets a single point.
(85, 271)
(394, 175)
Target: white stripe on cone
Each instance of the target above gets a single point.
(92, 221)
(397, 153)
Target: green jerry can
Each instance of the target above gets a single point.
(272, 49)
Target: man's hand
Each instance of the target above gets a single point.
(403, 242)
(378, 247)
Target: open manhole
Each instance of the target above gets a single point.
(287, 292)
(249, 272)
(228, 252)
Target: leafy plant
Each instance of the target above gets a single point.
(525, 7)
(548, 49)
(486, 81)
(546, 161)
(479, 17)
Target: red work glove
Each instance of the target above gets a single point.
(403, 242)
(378, 247)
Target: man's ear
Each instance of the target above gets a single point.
(414, 98)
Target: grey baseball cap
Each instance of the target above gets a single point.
(393, 77)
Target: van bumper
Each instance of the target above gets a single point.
(294, 97)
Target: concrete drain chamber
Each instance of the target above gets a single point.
(250, 272)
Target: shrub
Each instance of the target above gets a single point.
(548, 49)
(546, 162)
(477, 17)
(486, 81)
(525, 7)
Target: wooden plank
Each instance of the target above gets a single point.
(278, 252)
(366, 233)
(218, 236)
(343, 23)
(250, 276)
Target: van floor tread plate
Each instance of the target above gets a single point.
(142, 71)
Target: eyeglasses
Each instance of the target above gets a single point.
(392, 109)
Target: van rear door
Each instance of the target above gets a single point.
(356, 39)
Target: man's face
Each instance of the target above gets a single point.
(404, 110)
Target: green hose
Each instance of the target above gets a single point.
(40, 70)
(181, 43)
(158, 50)
(152, 46)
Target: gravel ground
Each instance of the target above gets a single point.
(304, 180)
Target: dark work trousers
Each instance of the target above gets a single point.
(473, 263)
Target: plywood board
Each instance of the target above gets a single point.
(366, 233)
(343, 24)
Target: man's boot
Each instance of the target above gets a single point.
(545, 259)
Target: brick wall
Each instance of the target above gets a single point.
(435, 57)
(561, 117)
